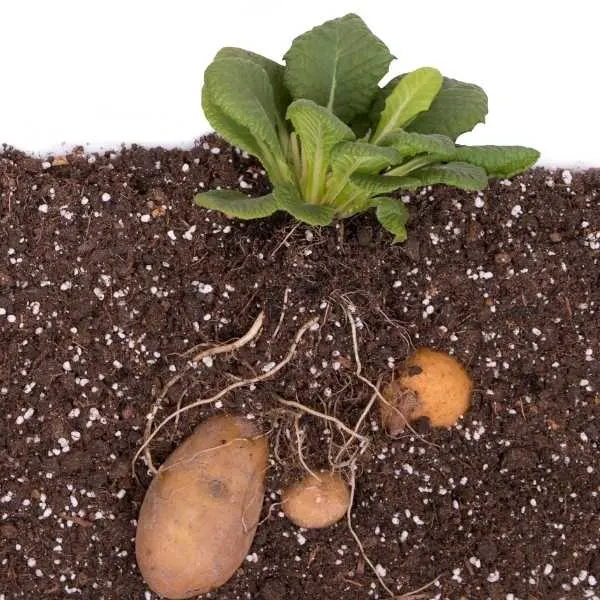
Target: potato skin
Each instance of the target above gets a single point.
(430, 384)
(201, 511)
(315, 503)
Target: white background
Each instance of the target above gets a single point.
(108, 72)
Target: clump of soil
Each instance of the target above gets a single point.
(108, 274)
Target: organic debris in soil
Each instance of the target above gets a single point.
(109, 274)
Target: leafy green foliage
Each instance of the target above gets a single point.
(337, 65)
(236, 204)
(334, 142)
(413, 94)
(392, 214)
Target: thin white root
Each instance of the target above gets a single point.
(283, 309)
(285, 239)
(299, 444)
(354, 339)
(360, 421)
(236, 344)
(415, 594)
(357, 539)
(315, 413)
(369, 383)
(238, 384)
(212, 351)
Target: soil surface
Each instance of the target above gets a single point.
(108, 274)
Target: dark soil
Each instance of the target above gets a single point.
(108, 274)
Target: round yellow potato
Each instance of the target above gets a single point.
(201, 511)
(316, 502)
(430, 384)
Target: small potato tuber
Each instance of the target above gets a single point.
(201, 511)
(430, 384)
(315, 502)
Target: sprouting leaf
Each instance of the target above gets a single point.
(410, 144)
(457, 109)
(393, 216)
(319, 131)
(338, 65)
(236, 204)
(458, 174)
(412, 95)
(499, 161)
(241, 89)
(383, 184)
(273, 69)
(289, 199)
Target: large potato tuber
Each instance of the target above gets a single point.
(200, 513)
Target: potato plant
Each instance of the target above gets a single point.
(334, 141)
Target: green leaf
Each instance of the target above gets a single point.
(412, 95)
(499, 161)
(236, 204)
(350, 157)
(273, 69)
(410, 144)
(457, 109)
(353, 200)
(393, 216)
(319, 130)
(228, 128)
(383, 184)
(337, 65)
(361, 125)
(241, 90)
(356, 157)
(458, 174)
(289, 199)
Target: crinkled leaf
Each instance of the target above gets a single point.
(319, 130)
(274, 71)
(458, 174)
(383, 184)
(457, 109)
(351, 157)
(338, 65)
(228, 128)
(412, 95)
(241, 89)
(499, 161)
(236, 204)
(289, 199)
(393, 216)
(410, 144)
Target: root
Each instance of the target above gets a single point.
(299, 444)
(282, 315)
(416, 594)
(360, 421)
(212, 351)
(231, 346)
(150, 435)
(355, 535)
(315, 413)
